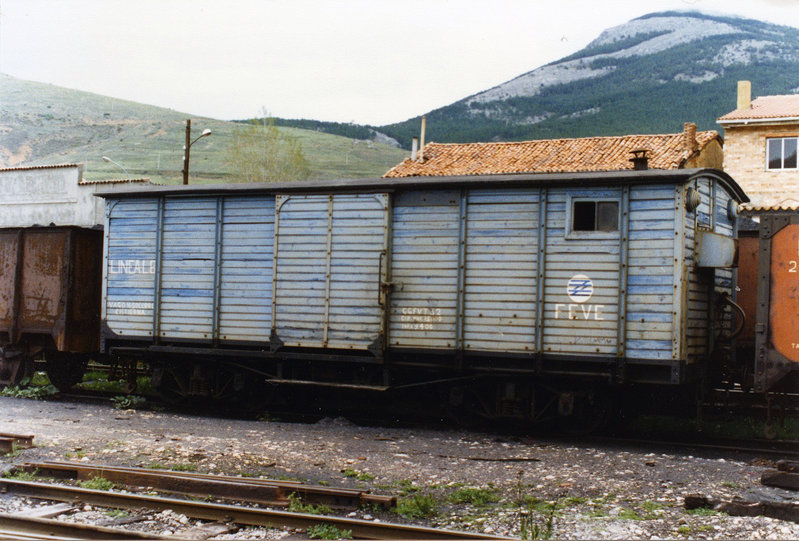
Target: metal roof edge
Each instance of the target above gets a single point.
(760, 120)
(627, 176)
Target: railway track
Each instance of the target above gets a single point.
(15, 526)
(224, 513)
(244, 515)
(270, 492)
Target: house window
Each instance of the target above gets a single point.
(781, 153)
(595, 216)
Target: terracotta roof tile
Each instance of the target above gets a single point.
(115, 181)
(32, 167)
(786, 205)
(550, 155)
(766, 107)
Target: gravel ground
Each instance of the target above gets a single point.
(451, 478)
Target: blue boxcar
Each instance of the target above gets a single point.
(607, 276)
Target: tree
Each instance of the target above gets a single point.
(260, 152)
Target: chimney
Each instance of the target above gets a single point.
(689, 138)
(640, 159)
(414, 148)
(744, 95)
(421, 142)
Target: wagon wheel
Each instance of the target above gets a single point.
(15, 366)
(171, 382)
(66, 369)
(593, 411)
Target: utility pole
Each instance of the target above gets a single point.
(186, 152)
(187, 148)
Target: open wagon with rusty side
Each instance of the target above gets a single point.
(49, 301)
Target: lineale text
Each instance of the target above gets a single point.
(131, 266)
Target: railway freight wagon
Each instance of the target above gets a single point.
(49, 301)
(501, 293)
(767, 350)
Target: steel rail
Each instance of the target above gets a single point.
(263, 491)
(43, 528)
(230, 513)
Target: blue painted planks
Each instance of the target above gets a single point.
(424, 264)
(501, 268)
(245, 295)
(327, 279)
(130, 266)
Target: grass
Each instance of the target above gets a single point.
(360, 476)
(328, 531)
(417, 506)
(97, 483)
(646, 510)
(22, 475)
(296, 505)
(405, 487)
(629, 514)
(686, 530)
(537, 522)
(474, 496)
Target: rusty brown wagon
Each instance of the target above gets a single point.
(49, 301)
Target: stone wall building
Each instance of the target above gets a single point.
(760, 147)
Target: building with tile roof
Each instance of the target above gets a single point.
(53, 194)
(665, 151)
(760, 151)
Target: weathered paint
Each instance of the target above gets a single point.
(473, 269)
(784, 298)
(327, 276)
(49, 287)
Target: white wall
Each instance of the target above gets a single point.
(45, 195)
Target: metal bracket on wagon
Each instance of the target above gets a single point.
(377, 347)
(275, 343)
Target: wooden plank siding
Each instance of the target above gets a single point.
(327, 279)
(501, 266)
(650, 273)
(587, 327)
(424, 266)
(483, 269)
(245, 281)
(129, 266)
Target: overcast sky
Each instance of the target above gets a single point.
(365, 61)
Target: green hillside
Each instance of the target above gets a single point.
(43, 124)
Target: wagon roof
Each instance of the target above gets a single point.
(596, 178)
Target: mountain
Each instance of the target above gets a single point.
(646, 76)
(42, 124)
